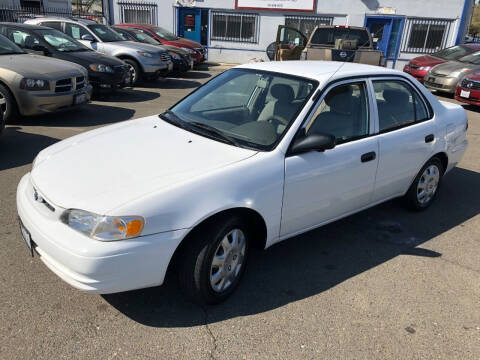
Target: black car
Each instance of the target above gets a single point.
(104, 72)
(182, 61)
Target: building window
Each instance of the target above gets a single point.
(306, 24)
(426, 35)
(235, 27)
(138, 12)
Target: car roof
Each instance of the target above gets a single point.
(25, 26)
(66, 19)
(147, 26)
(321, 70)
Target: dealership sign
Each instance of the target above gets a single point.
(279, 5)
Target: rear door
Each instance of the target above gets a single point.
(290, 44)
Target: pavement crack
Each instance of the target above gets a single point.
(209, 331)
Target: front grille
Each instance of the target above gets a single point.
(432, 84)
(64, 85)
(414, 66)
(80, 82)
(201, 50)
(471, 84)
(165, 57)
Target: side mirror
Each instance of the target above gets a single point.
(271, 51)
(88, 37)
(313, 142)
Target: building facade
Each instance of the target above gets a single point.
(235, 31)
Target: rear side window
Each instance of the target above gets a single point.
(22, 38)
(75, 31)
(52, 24)
(398, 105)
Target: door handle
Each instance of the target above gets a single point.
(429, 138)
(369, 156)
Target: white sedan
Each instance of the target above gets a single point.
(259, 154)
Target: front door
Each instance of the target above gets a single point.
(290, 44)
(323, 186)
(190, 24)
(381, 29)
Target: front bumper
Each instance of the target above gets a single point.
(417, 74)
(116, 79)
(41, 102)
(155, 68)
(440, 83)
(89, 265)
(473, 98)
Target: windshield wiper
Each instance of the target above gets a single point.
(215, 131)
(172, 118)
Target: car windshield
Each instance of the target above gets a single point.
(105, 33)
(453, 52)
(140, 36)
(243, 107)
(472, 58)
(60, 41)
(164, 34)
(7, 47)
(328, 36)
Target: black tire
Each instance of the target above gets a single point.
(8, 106)
(135, 69)
(412, 196)
(195, 265)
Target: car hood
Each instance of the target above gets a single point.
(30, 65)
(176, 49)
(426, 60)
(106, 168)
(91, 57)
(449, 67)
(475, 76)
(182, 42)
(131, 45)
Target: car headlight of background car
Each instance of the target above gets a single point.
(101, 68)
(175, 55)
(34, 84)
(103, 228)
(145, 54)
(459, 72)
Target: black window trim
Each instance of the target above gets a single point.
(369, 77)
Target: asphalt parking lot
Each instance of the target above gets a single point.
(384, 283)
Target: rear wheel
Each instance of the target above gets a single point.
(135, 71)
(7, 105)
(213, 261)
(424, 188)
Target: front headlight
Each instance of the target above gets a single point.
(426, 68)
(190, 51)
(175, 55)
(459, 72)
(101, 68)
(146, 54)
(103, 228)
(34, 84)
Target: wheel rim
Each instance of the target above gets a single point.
(428, 184)
(227, 260)
(3, 105)
(133, 73)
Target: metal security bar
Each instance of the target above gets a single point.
(306, 24)
(425, 36)
(138, 12)
(243, 27)
(21, 14)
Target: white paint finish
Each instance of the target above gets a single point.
(132, 168)
(302, 5)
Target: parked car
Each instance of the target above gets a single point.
(445, 77)
(419, 66)
(34, 84)
(261, 153)
(142, 59)
(327, 42)
(182, 61)
(195, 50)
(103, 71)
(468, 90)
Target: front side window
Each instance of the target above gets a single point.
(342, 113)
(105, 33)
(75, 31)
(398, 105)
(236, 27)
(252, 107)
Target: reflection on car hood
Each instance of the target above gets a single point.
(105, 168)
(29, 65)
(426, 60)
(449, 67)
(131, 45)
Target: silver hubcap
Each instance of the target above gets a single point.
(3, 104)
(428, 184)
(227, 260)
(133, 73)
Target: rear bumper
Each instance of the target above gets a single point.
(89, 265)
(35, 103)
(455, 154)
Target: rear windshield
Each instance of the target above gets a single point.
(453, 52)
(328, 36)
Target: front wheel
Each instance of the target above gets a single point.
(424, 188)
(134, 69)
(213, 261)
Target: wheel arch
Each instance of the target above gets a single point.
(443, 157)
(4, 83)
(129, 57)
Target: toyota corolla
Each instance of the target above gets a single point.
(259, 154)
